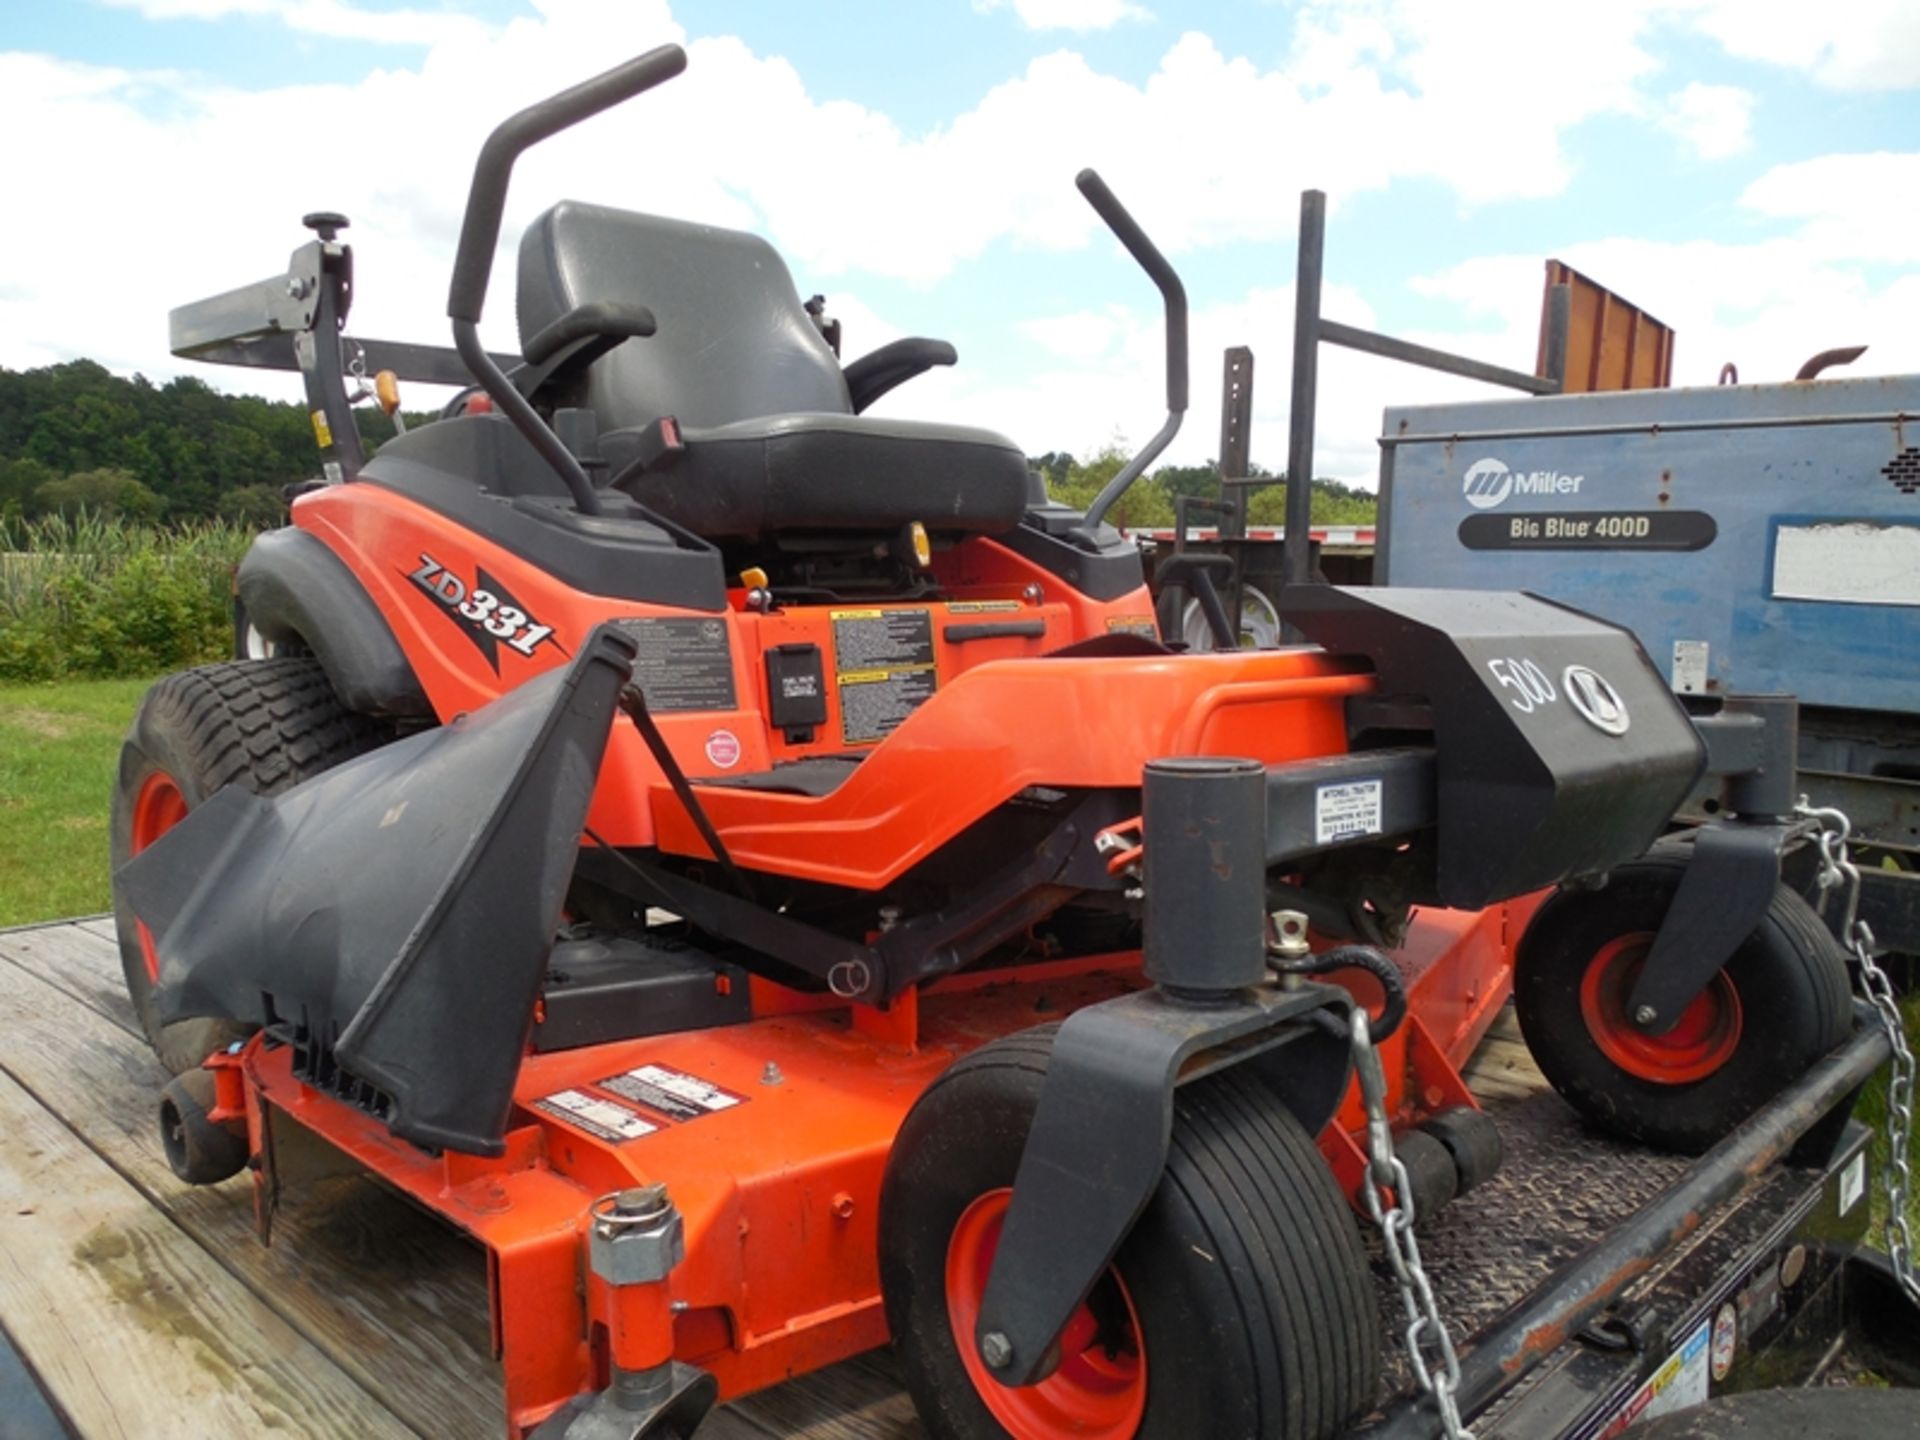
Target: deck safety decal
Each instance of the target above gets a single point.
(672, 1093)
(883, 659)
(682, 664)
(604, 1119)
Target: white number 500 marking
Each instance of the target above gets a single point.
(1531, 685)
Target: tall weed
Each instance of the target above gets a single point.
(98, 597)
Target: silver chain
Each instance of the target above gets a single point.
(1436, 1367)
(1838, 872)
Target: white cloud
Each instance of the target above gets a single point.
(1861, 207)
(1210, 148)
(1079, 15)
(1084, 336)
(1714, 120)
(1764, 304)
(335, 19)
(1843, 45)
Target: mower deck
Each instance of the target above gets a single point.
(142, 1305)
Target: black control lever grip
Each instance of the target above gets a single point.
(1108, 207)
(486, 201)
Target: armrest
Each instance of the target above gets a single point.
(874, 374)
(598, 321)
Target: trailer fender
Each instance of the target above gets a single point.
(291, 587)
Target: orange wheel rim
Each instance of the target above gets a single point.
(1099, 1389)
(1700, 1042)
(158, 807)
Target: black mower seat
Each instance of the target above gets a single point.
(772, 443)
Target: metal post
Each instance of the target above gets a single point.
(1205, 823)
(1296, 556)
(1559, 328)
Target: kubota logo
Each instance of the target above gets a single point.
(1489, 481)
(1593, 696)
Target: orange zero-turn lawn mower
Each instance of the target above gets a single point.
(755, 868)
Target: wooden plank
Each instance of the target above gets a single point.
(398, 1298)
(101, 925)
(79, 962)
(149, 1338)
(859, 1400)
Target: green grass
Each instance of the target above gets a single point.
(1872, 1109)
(59, 744)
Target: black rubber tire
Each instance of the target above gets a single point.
(1432, 1169)
(263, 724)
(1789, 975)
(1473, 1140)
(1858, 1413)
(1256, 1311)
(200, 1151)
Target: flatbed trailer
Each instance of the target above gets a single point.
(145, 1308)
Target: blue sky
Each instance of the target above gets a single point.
(1746, 169)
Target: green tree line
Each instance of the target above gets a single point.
(76, 437)
(1148, 503)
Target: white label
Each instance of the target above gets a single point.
(1681, 1382)
(1853, 1182)
(1690, 667)
(1341, 812)
(1856, 562)
(608, 1119)
(673, 1093)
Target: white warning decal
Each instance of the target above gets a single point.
(1346, 811)
(1853, 1183)
(673, 1093)
(606, 1119)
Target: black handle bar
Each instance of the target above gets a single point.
(486, 201)
(1108, 207)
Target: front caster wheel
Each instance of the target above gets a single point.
(1781, 1003)
(1240, 1304)
(201, 1150)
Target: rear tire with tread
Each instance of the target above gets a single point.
(263, 724)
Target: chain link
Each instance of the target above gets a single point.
(1839, 873)
(1436, 1367)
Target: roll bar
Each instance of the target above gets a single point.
(1127, 230)
(480, 237)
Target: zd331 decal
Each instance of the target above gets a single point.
(485, 611)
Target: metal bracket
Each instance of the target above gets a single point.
(689, 1394)
(1729, 883)
(1723, 897)
(1099, 1145)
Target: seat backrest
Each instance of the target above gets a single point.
(734, 341)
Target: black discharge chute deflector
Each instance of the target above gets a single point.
(397, 911)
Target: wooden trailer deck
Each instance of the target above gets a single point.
(147, 1308)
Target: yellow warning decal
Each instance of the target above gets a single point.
(322, 432)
